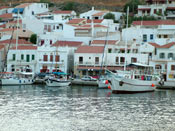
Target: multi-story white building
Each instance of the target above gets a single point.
(159, 8)
(91, 60)
(21, 58)
(99, 14)
(160, 32)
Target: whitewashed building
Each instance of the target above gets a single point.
(160, 32)
(21, 58)
(159, 8)
(29, 10)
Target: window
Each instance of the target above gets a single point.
(22, 57)
(33, 57)
(133, 60)
(158, 67)
(45, 58)
(117, 60)
(50, 42)
(155, 11)
(57, 58)
(144, 38)
(51, 57)
(28, 58)
(14, 57)
(96, 60)
(162, 55)
(109, 50)
(151, 37)
(165, 36)
(172, 67)
(170, 55)
(122, 59)
(45, 27)
(42, 42)
(81, 60)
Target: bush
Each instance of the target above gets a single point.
(33, 38)
(109, 16)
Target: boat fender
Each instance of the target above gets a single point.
(120, 83)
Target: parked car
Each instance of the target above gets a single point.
(88, 78)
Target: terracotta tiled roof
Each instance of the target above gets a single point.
(168, 45)
(2, 26)
(25, 48)
(20, 41)
(99, 14)
(68, 43)
(76, 21)
(15, 21)
(6, 30)
(155, 45)
(2, 47)
(62, 12)
(153, 23)
(23, 5)
(7, 15)
(3, 7)
(144, 8)
(95, 21)
(90, 49)
(163, 46)
(85, 27)
(110, 42)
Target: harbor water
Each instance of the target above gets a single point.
(77, 108)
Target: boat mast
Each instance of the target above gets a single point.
(106, 41)
(17, 25)
(126, 39)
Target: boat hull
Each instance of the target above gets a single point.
(57, 83)
(13, 81)
(126, 85)
(102, 84)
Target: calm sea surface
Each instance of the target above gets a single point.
(41, 108)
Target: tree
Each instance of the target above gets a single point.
(133, 5)
(109, 16)
(33, 38)
(69, 6)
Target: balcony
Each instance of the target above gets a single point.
(99, 64)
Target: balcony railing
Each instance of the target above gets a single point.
(99, 64)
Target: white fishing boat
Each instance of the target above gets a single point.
(58, 79)
(134, 81)
(22, 78)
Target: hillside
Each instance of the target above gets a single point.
(101, 4)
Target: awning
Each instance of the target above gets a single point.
(59, 73)
(15, 10)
